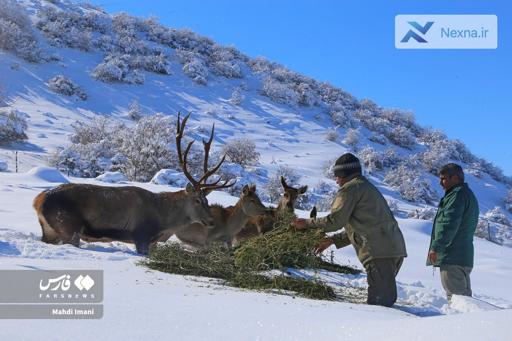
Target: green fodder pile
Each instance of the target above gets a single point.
(242, 267)
(216, 262)
(283, 284)
(283, 247)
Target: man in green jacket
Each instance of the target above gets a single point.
(451, 243)
(368, 225)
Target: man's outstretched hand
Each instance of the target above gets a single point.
(324, 244)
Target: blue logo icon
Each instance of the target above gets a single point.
(422, 29)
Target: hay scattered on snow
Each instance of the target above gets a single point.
(242, 267)
(216, 262)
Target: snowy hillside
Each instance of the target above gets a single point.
(80, 90)
(88, 64)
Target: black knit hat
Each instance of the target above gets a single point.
(347, 165)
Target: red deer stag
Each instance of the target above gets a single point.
(265, 222)
(72, 212)
(228, 221)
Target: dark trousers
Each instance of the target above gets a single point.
(381, 275)
(455, 280)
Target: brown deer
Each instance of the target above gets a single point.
(265, 222)
(72, 212)
(228, 221)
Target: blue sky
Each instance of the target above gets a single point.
(350, 44)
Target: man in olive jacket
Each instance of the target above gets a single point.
(368, 225)
(451, 244)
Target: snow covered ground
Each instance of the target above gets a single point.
(145, 304)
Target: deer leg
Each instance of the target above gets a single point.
(144, 235)
(165, 236)
(249, 231)
(50, 236)
(65, 225)
(75, 239)
(72, 237)
(142, 247)
(194, 244)
(195, 235)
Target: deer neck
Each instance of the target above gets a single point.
(171, 208)
(282, 207)
(238, 218)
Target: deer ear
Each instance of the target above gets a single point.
(189, 188)
(245, 190)
(303, 189)
(283, 182)
(252, 188)
(206, 191)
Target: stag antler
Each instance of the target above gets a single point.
(201, 184)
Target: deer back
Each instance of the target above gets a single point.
(107, 212)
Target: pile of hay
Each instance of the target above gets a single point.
(283, 247)
(245, 266)
(216, 262)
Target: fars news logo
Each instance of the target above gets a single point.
(441, 31)
(64, 283)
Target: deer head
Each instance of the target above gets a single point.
(290, 195)
(196, 207)
(251, 203)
